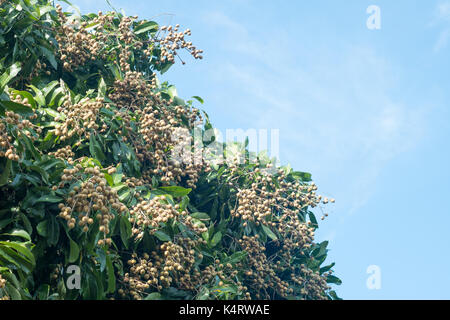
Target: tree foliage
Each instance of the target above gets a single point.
(88, 177)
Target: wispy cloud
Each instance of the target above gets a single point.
(442, 19)
(336, 114)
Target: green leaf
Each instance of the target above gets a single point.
(334, 279)
(198, 99)
(39, 96)
(16, 107)
(18, 233)
(45, 9)
(27, 95)
(74, 251)
(166, 67)
(20, 248)
(117, 178)
(101, 256)
(95, 149)
(12, 292)
(326, 268)
(43, 292)
(102, 88)
(184, 203)
(154, 296)
(334, 296)
(303, 176)
(9, 254)
(236, 257)
(89, 287)
(111, 275)
(216, 239)
(172, 91)
(52, 231)
(52, 113)
(109, 179)
(5, 222)
(162, 236)
(5, 174)
(313, 219)
(200, 216)
(322, 249)
(125, 230)
(145, 27)
(269, 233)
(30, 147)
(123, 195)
(176, 191)
(49, 56)
(26, 222)
(49, 198)
(42, 228)
(203, 294)
(9, 74)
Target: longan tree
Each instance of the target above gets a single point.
(89, 177)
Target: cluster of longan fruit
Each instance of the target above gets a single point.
(128, 38)
(100, 23)
(37, 69)
(275, 202)
(76, 45)
(174, 40)
(64, 153)
(313, 284)
(157, 121)
(18, 124)
(133, 91)
(155, 212)
(222, 274)
(155, 128)
(6, 141)
(2, 282)
(133, 182)
(78, 119)
(17, 98)
(295, 242)
(262, 274)
(196, 225)
(56, 272)
(253, 207)
(170, 264)
(2, 285)
(272, 201)
(159, 128)
(186, 159)
(126, 35)
(151, 213)
(90, 198)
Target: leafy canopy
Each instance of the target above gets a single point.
(88, 176)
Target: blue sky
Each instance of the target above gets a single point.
(365, 111)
